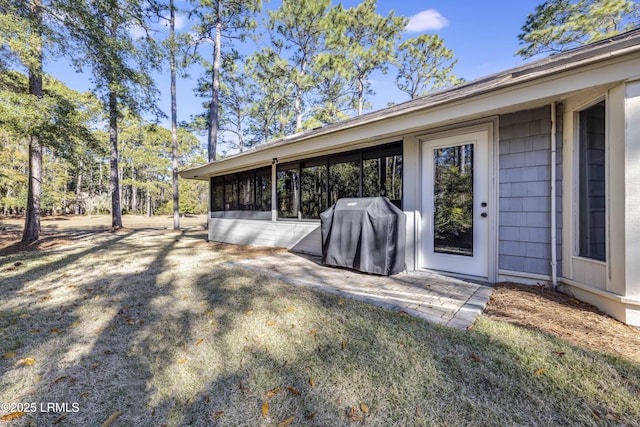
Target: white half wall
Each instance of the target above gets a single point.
(302, 237)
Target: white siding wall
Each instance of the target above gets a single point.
(299, 236)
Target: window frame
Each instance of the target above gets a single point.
(579, 138)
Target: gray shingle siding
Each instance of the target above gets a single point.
(525, 190)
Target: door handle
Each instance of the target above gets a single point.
(483, 214)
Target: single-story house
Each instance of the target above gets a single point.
(531, 175)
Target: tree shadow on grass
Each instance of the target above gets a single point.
(83, 345)
(205, 344)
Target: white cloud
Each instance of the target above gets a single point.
(137, 32)
(181, 20)
(429, 19)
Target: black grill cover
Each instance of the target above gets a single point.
(366, 234)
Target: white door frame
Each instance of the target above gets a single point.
(423, 231)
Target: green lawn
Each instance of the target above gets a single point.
(158, 328)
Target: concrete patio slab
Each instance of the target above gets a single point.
(440, 299)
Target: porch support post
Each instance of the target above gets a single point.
(274, 190)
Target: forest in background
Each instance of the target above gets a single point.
(98, 152)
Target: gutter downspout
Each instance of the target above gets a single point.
(554, 262)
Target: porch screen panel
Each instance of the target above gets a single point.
(382, 174)
(288, 185)
(247, 187)
(344, 176)
(231, 192)
(217, 194)
(592, 193)
(263, 189)
(313, 187)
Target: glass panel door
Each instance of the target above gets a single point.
(453, 200)
(456, 209)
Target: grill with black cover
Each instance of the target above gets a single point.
(366, 234)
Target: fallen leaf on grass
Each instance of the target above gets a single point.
(341, 302)
(57, 380)
(27, 361)
(364, 408)
(540, 372)
(11, 416)
(111, 419)
(9, 355)
(613, 417)
(249, 313)
(75, 324)
(199, 341)
(265, 408)
(311, 415)
(182, 361)
(291, 309)
(271, 322)
(219, 414)
(344, 343)
(474, 357)
(55, 331)
(272, 392)
(312, 382)
(60, 419)
(35, 330)
(286, 422)
(293, 391)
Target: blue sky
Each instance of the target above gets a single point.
(482, 35)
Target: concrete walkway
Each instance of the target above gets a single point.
(436, 298)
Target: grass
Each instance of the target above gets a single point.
(157, 326)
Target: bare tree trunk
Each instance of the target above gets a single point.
(32, 220)
(79, 189)
(134, 191)
(114, 183)
(174, 119)
(215, 92)
(149, 207)
(360, 96)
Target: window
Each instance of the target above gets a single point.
(592, 183)
(288, 190)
